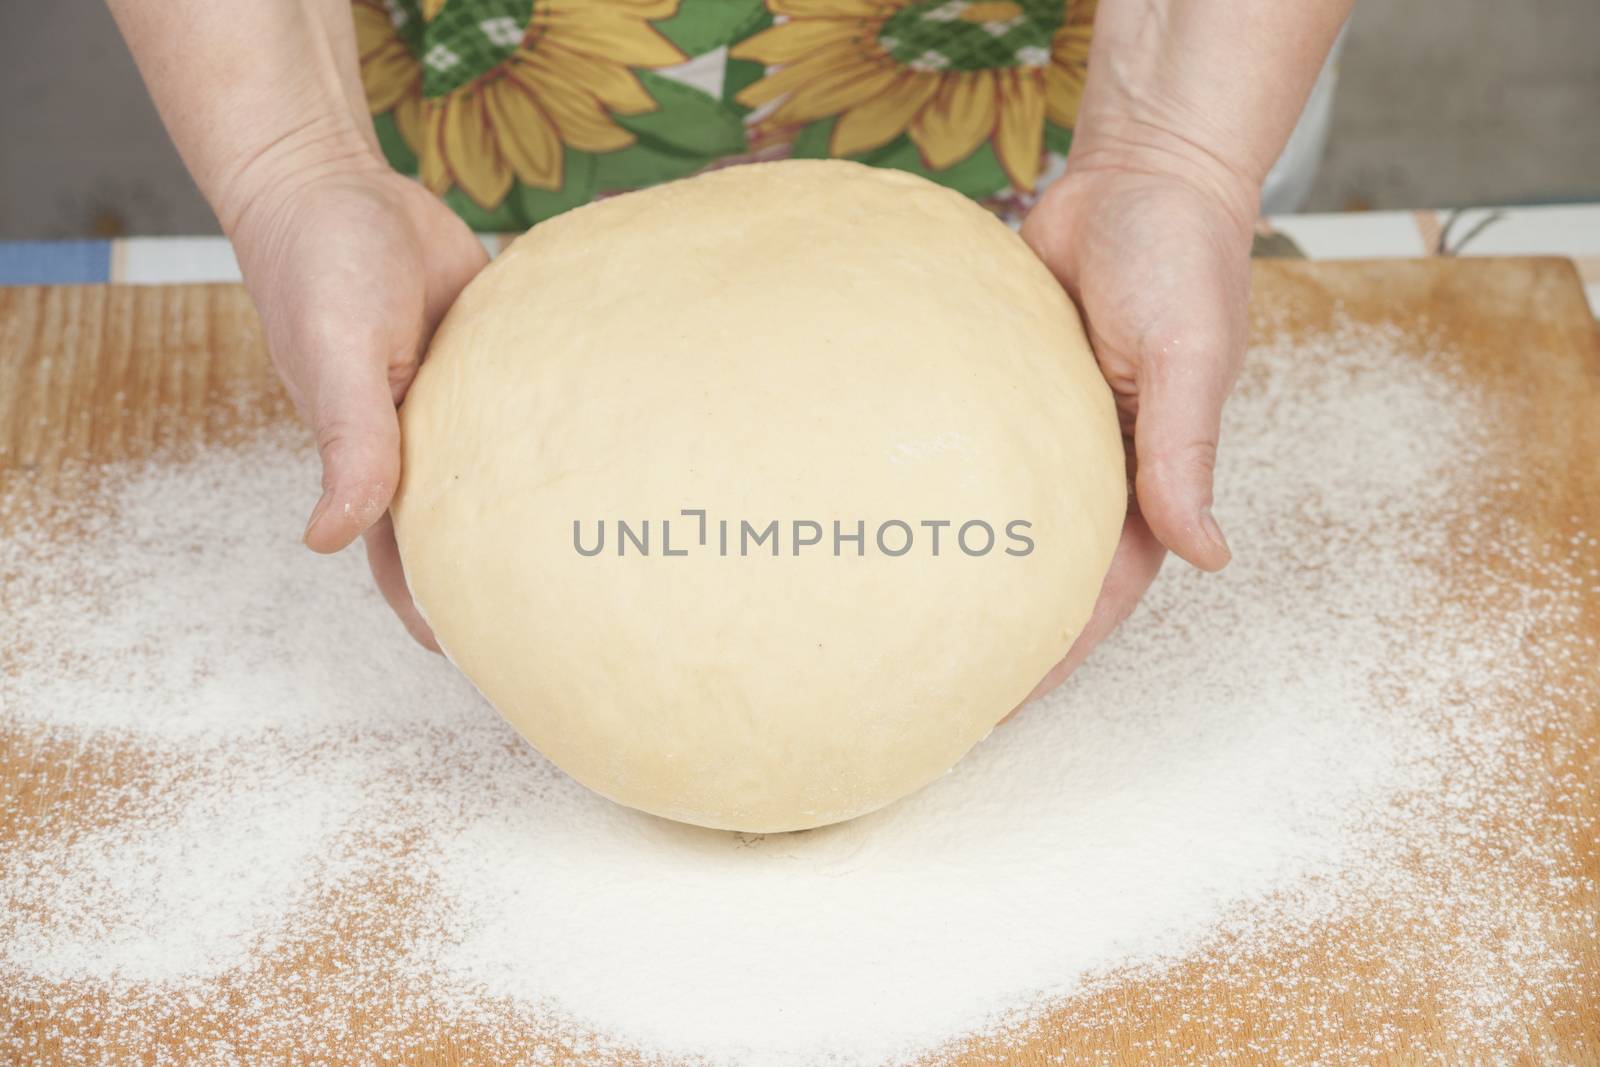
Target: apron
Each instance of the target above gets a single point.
(513, 114)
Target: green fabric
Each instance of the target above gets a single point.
(580, 170)
(936, 35)
(1057, 139)
(469, 38)
(739, 73)
(695, 119)
(407, 18)
(978, 176)
(395, 149)
(701, 27)
(640, 165)
(686, 120)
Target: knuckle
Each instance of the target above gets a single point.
(1207, 339)
(1184, 462)
(332, 333)
(1198, 456)
(335, 434)
(360, 449)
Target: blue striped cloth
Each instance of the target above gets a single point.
(54, 262)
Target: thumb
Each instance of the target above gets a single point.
(1183, 382)
(358, 438)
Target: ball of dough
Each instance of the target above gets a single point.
(802, 343)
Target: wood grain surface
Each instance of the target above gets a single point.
(98, 374)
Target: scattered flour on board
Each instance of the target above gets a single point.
(1252, 756)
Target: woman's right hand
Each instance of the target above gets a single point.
(351, 265)
(352, 269)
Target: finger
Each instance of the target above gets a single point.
(358, 438)
(383, 557)
(1048, 230)
(1184, 378)
(452, 265)
(1134, 566)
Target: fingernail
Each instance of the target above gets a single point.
(316, 514)
(1208, 523)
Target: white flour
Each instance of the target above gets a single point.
(1251, 755)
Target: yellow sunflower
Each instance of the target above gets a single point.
(950, 74)
(567, 75)
(390, 75)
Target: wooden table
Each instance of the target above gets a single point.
(107, 373)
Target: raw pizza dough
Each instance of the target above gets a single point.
(806, 342)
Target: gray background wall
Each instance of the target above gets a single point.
(1440, 103)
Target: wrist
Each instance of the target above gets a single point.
(1125, 146)
(260, 183)
(1203, 91)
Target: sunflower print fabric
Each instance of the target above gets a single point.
(515, 111)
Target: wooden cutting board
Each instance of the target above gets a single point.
(109, 373)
